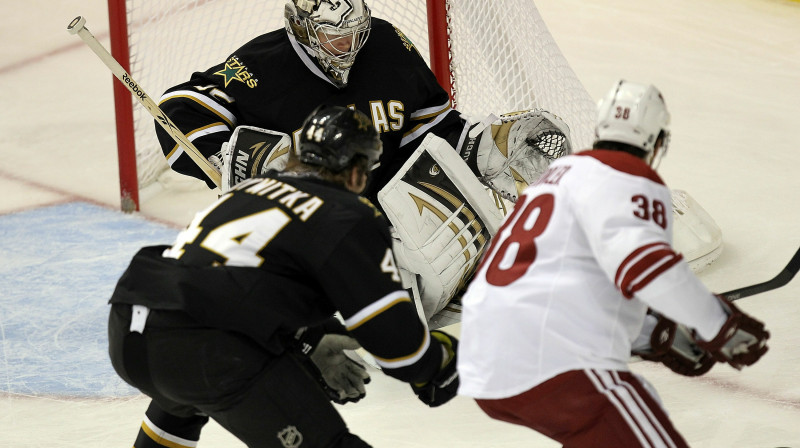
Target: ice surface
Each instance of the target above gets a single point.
(729, 72)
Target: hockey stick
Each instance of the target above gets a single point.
(783, 277)
(77, 26)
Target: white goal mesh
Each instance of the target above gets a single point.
(503, 56)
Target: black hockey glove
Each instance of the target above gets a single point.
(444, 385)
(674, 346)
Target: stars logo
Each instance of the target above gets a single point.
(236, 71)
(406, 41)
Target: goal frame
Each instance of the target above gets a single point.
(440, 61)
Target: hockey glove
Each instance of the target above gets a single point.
(741, 341)
(344, 376)
(444, 385)
(321, 351)
(251, 152)
(511, 152)
(674, 346)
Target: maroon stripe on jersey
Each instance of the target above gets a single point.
(643, 265)
(624, 162)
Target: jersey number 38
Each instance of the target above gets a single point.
(517, 251)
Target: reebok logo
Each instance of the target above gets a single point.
(133, 86)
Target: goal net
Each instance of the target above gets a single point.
(494, 56)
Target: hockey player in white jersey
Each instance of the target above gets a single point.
(564, 290)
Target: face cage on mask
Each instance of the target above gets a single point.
(338, 63)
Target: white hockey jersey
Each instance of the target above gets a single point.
(570, 274)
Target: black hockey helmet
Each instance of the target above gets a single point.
(332, 135)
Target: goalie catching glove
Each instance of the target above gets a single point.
(511, 152)
(741, 341)
(674, 346)
(444, 385)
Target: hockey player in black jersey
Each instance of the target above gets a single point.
(245, 113)
(235, 321)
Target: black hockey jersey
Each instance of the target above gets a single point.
(273, 83)
(283, 252)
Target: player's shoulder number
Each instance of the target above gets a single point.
(388, 265)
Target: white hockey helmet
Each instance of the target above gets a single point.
(333, 30)
(634, 114)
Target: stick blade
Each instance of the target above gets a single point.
(783, 277)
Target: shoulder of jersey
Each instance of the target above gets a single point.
(387, 32)
(623, 162)
(274, 41)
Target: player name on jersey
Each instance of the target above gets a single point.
(298, 202)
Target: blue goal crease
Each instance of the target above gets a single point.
(58, 267)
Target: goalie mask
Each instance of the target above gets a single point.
(634, 114)
(333, 30)
(332, 136)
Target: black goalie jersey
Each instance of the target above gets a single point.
(283, 252)
(272, 83)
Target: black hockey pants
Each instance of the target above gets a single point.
(190, 372)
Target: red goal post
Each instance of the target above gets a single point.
(493, 56)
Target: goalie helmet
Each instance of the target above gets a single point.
(634, 114)
(333, 31)
(332, 135)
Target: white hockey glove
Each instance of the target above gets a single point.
(321, 350)
(250, 152)
(674, 346)
(510, 152)
(741, 341)
(345, 376)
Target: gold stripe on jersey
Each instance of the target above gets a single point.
(430, 112)
(176, 150)
(403, 361)
(205, 101)
(375, 308)
(427, 118)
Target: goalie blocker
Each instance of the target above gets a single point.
(251, 152)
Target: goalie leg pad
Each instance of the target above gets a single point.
(512, 151)
(442, 218)
(251, 152)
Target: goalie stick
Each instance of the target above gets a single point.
(783, 277)
(78, 26)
